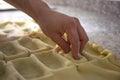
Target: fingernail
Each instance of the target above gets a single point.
(77, 58)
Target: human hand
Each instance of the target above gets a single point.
(55, 24)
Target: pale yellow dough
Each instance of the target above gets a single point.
(33, 56)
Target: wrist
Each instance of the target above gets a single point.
(39, 9)
(36, 9)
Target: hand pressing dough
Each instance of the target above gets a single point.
(47, 63)
(96, 63)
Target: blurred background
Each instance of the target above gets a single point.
(100, 18)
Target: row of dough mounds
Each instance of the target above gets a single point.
(36, 57)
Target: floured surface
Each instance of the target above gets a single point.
(30, 55)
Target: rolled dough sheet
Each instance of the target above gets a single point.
(51, 63)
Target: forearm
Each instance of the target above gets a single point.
(32, 7)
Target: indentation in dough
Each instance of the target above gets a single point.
(28, 68)
(33, 44)
(42, 37)
(4, 24)
(50, 60)
(4, 74)
(10, 48)
(1, 56)
(2, 68)
(28, 43)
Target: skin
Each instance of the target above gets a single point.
(55, 24)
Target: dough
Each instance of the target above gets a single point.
(33, 44)
(35, 57)
(30, 69)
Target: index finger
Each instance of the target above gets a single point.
(82, 35)
(73, 38)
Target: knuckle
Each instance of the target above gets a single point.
(86, 40)
(77, 20)
(72, 22)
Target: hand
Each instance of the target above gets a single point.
(55, 24)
